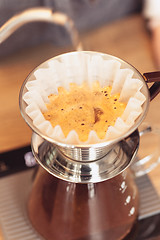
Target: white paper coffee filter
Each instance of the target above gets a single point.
(76, 68)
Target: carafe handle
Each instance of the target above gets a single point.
(155, 88)
(148, 157)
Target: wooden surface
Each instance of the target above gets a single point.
(127, 39)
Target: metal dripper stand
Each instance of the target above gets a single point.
(85, 164)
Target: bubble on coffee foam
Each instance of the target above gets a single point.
(79, 67)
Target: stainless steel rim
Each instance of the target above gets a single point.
(111, 164)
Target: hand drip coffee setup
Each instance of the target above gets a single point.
(96, 180)
(85, 191)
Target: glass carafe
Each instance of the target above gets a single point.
(60, 209)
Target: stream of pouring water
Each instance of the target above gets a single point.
(37, 15)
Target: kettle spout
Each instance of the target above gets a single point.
(40, 14)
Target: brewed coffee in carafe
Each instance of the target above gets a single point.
(64, 210)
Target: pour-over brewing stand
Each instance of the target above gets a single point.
(83, 166)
